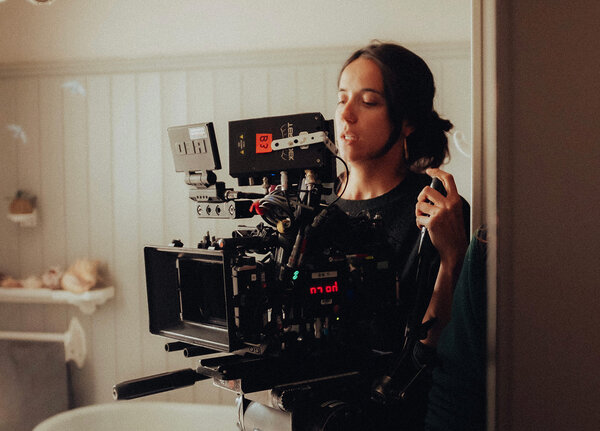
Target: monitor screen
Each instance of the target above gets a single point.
(201, 285)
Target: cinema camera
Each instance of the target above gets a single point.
(303, 309)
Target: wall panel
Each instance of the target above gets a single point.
(101, 231)
(200, 109)
(125, 218)
(254, 93)
(28, 178)
(311, 87)
(10, 315)
(76, 150)
(77, 210)
(150, 200)
(176, 205)
(28, 166)
(51, 231)
(282, 90)
(51, 202)
(455, 94)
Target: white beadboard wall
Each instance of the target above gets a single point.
(101, 168)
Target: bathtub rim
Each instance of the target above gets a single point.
(61, 418)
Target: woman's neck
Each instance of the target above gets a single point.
(369, 180)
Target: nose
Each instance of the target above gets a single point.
(347, 112)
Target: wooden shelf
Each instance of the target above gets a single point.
(86, 301)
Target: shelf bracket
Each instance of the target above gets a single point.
(73, 340)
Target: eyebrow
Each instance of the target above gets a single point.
(366, 90)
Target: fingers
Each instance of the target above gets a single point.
(442, 216)
(446, 178)
(429, 222)
(431, 203)
(423, 213)
(423, 221)
(431, 195)
(425, 208)
(452, 197)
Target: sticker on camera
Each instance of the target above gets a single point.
(263, 142)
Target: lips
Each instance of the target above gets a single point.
(348, 138)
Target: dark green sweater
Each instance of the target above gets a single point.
(457, 400)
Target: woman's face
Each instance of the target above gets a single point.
(361, 118)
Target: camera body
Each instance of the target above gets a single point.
(229, 298)
(307, 276)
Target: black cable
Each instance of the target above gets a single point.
(276, 206)
(345, 183)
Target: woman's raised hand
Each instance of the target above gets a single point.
(443, 218)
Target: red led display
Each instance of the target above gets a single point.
(319, 290)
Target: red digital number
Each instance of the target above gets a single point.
(315, 290)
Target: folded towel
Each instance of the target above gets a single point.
(33, 383)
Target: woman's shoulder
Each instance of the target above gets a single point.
(410, 187)
(417, 180)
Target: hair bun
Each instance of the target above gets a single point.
(440, 123)
(428, 144)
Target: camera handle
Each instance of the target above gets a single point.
(155, 384)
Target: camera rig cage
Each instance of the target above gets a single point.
(288, 305)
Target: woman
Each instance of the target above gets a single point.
(388, 134)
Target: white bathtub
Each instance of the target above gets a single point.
(145, 415)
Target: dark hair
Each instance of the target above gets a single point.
(409, 91)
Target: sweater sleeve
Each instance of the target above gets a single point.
(458, 394)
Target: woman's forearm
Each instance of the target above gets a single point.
(440, 305)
